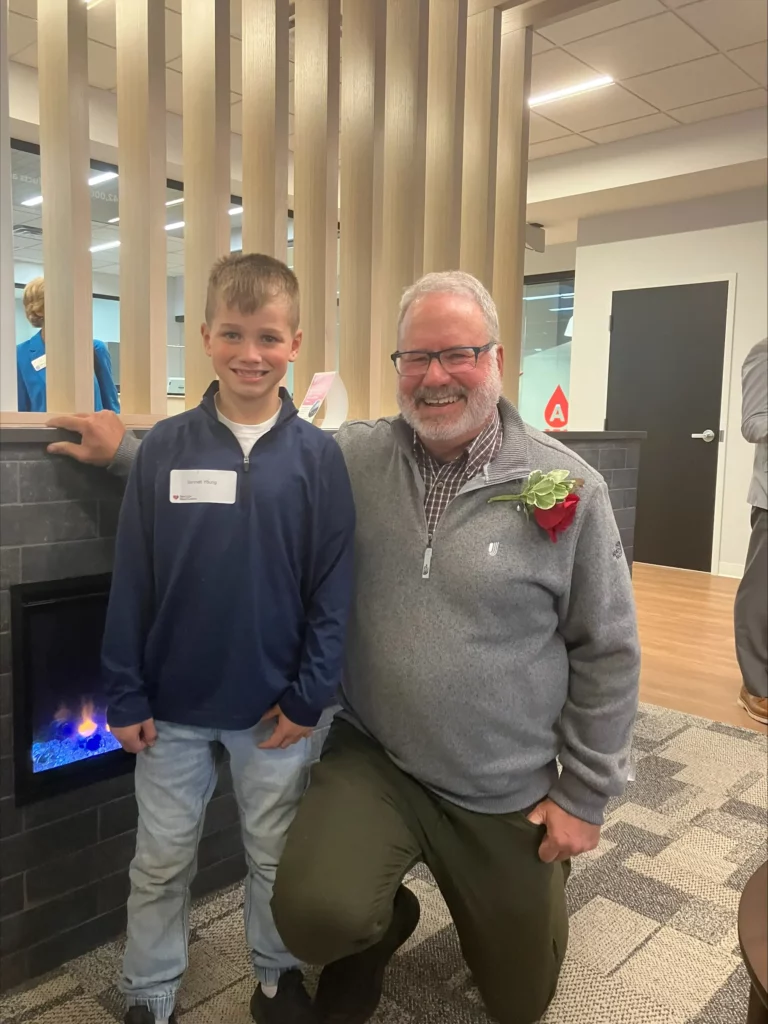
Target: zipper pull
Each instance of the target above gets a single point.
(427, 561)
(246, 463)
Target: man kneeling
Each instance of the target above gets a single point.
(479, 653)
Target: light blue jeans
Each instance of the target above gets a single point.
(174, 782)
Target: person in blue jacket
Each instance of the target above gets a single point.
(30, 361)
(227, 614)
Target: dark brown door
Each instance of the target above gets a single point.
(665, 377)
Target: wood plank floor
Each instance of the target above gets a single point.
(686, 633)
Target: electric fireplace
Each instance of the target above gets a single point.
(61, 736)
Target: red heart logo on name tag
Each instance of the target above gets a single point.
(175, 497)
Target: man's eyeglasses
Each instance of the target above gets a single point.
(452, 360)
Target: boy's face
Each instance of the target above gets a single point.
(250, 352)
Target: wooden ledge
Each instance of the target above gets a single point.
(38, 420)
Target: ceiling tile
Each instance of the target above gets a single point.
(173, 91)
(175, 65)
(22, 32)
(172, 36)
(638, 49)
(28, 56)
(622, 12)
(595, 109)
(173, 5)
(542, 130)
(699, 80)
(555, 146)
(101, 24)
(557, 69)
(729, 23)
(236, 117)
(25, 7)
(628, 129)
(540, 44)
(718, 108)
(754, 60)
(236, 66)
(102, 65)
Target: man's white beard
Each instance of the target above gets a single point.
(478, 409)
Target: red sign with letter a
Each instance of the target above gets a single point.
(556, 411)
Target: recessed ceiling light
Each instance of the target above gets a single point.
(234, 210)
(104, 246)
(572, 90)
(97, 179)
(34, 201)
(175, 202)
(176, 224)
(114, 220)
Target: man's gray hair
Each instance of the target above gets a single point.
(451, 282)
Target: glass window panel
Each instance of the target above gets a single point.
(546, 355)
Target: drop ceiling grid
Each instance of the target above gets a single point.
(592, 40)
(750, 83)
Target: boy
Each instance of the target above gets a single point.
(231, 588)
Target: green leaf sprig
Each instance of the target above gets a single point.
(543, 490)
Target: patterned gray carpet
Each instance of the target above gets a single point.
(653, 911)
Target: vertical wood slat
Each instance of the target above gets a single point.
(64, 148)
(140, 31)
(511, 189)
(7, 318)
(265, 127)
(207, 184)
(399, 185)
(361, 111)
(444, 133)
(316, 182)
(481, 125)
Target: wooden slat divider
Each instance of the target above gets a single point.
(140, 32)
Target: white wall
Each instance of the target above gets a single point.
(646, 257)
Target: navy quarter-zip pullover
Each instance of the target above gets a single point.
(218, 612)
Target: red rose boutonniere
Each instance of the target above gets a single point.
(551, 497)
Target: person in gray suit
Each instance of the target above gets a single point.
(751, 608)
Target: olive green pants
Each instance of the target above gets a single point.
(364, 823)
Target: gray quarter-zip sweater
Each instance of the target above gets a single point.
(479, 658)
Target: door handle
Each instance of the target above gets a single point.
(707, 436)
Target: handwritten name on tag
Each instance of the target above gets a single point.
(207, 486)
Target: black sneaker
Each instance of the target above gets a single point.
(350, 989)
(143, 1015)
(291, 1005)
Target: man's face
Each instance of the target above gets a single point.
(443, 405)
(250, 352)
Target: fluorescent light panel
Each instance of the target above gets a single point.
(562, 309)
(535, 298)
(572, 90)
(97, 179)
(104, 246)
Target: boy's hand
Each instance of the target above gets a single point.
(135, 738)
(286, 732)
(101, 434)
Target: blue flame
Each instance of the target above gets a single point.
(62, 744)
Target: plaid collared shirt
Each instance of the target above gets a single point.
(444, 480)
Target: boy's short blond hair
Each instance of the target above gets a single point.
(34, 301)
(249, 280)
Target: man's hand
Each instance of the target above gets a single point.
(567, 836)
(101, 432)
(135, 738)
(286, 732)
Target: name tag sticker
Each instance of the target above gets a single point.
(207, 486)
(39, 363)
